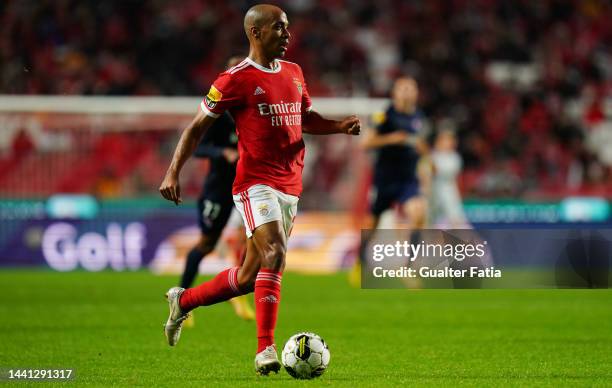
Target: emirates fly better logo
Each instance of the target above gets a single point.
(283, 113)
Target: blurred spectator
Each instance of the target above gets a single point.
(22, 145)
(107, 185)
(500, 180)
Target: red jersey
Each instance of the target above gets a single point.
(268, 106)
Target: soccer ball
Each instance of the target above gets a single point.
(305, 356)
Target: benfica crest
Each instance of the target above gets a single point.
(298, 84)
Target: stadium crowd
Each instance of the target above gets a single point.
(524, 83)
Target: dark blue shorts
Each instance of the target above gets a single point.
(214, 210)
(389, 194)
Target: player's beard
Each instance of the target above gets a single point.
(279, 52)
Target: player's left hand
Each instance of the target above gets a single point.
(231, 155)
(351, 125)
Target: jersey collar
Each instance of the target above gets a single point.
(276, 69)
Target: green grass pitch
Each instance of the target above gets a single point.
(108, 327)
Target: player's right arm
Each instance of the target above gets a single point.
(381, 136)
(191, 136)
(376, 140)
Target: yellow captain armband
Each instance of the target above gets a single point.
(213, 97)
(378, 118)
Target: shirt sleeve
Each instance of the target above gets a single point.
(223, 95)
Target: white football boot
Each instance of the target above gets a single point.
(266, 361)
(172, 329)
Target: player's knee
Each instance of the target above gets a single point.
(204, 248)
(246, 280)
(274, 256)
(206, 244)
(418, 211)
(419, 220)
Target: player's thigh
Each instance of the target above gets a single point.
(258, 206)
(289, 206)
(266, 239)
(270, 242)
(263, 216)
(383, 198)
(207, 242)
(415, 207)
(412, 199)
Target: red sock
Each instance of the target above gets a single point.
(267, 298)
(222, 287)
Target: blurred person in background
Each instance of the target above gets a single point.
(399, 141)
(215, 203)
(445, 205)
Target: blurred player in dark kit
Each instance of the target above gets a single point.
(399, 140)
